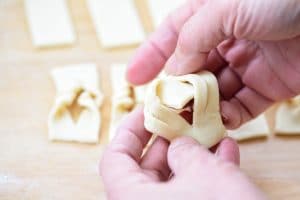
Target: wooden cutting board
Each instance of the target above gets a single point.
(31, 167)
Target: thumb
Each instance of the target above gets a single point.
(186, 152)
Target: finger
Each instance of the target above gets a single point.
(229, 83)
(123, 154)
(245, 105)
(155, 159)
(202, 33)
(228, 150)
(186, 152)
(151, 57)
(215, 62)
(197, 38)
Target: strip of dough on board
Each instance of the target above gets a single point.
(116, 22)
(167, 97)
(123, 101)
(159, 9)
(288, 117)
(255, 128)
(75, 115)
(49, 22)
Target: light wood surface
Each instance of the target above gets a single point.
(31, 167)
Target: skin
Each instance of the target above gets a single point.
(253, 48)
(197, 173)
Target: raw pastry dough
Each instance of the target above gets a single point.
(159, 9)
(50, 23)
(140, 93)
(77, 86)
(122, 99)
(255, 128)
(116, 22)
(167, 97)
(288, 117)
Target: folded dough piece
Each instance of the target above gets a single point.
(167, 97)
(123, 100)
(255, 128)
(77, 87)
(288, 117)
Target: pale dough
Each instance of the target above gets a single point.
(167, 97)
(76, 85)
(288, 117)
(123, 101)
(159, 9)
(49, 22)
(255, 128)
(117, 22)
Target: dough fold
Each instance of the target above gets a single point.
(77, 86)
(167, 97)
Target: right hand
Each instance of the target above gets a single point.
(182, 169)
(253, 47)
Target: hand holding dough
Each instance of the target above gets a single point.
(167, 97)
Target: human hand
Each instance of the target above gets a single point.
(253, 47)
(196, 172)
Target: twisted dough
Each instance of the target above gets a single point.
(167, 97)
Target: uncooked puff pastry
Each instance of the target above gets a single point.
(255, 128)
(49, 22)
(77, 86)
(123, 101)
(117, 22)
(288, 117)
(167, 97)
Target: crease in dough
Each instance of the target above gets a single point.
(167, 96)
(77, 86)
(255, 128)
(288, 117)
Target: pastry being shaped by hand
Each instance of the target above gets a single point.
(255, 128)
(75, 115)
(288, 117)
(167, 97)
(122, 99)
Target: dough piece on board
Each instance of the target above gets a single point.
(50, 23)
(288, 117)
(78, 94)
(116, 22)
(122, 99)
(167, 97)
(255, 128)
(159, 9)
